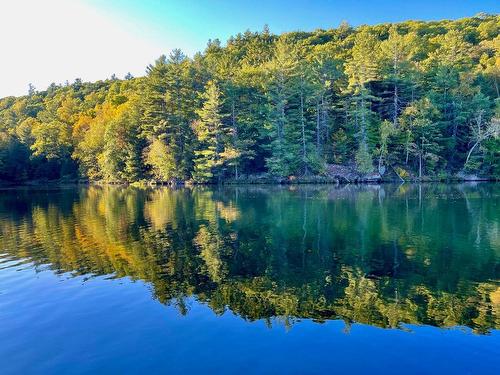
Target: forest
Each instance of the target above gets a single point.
(416, 100)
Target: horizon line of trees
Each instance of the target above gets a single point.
(422, 98)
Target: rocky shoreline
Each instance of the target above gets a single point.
(333, 174)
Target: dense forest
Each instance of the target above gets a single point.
(412, 99)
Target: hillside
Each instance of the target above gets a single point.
(419, 98)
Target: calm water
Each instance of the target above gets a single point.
(298, 280)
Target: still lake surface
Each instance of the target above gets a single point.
(372, 279)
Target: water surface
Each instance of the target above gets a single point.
(297, 279)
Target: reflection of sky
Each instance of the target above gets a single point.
(56, 324)
(58, 40)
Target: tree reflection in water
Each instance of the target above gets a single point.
(380, 255)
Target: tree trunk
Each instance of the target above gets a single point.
(363, 120)
(396, 107)
(235, 134)
(395, 68)
(496, 88)
(407, 148)
(420, 157)
(318, 127)
(303, 125)
(324, 119)
(470, 152)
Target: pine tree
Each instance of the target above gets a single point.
(282, 72)
(299, 134)
(362, 69)
(446, 67)
(324, 70)
(168, 107)
(420, 120)
(397, 52)
(212, 137)
(242, 137)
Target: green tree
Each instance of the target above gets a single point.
(161, 160)
(281, 72)
(420, 120)
(362, 69)
(211, 134)
(121, 158)
(51, 140)
(168, 107)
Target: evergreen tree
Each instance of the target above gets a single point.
(362, 69)
(168, 107)
(282, 71)
(396, 54)
(420, 119)
(212, 135)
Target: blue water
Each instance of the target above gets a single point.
(55, 320)
(77, 326)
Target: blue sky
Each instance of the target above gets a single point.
(58, 40)
(190, 23)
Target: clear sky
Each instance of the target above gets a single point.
(46, 41)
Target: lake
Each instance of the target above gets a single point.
(317, 279)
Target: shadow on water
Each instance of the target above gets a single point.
(376, 254)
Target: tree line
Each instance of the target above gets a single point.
(413, 98)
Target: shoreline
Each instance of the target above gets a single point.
(313, 180)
